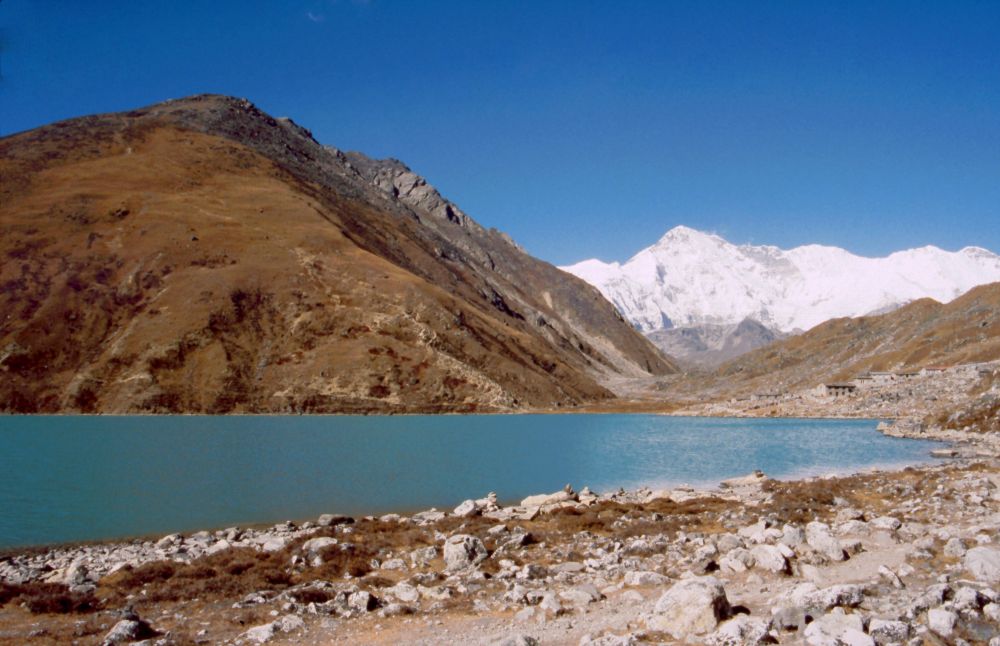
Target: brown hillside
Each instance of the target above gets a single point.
(922, 333)
(201, 256)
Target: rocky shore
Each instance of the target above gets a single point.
(904, 557)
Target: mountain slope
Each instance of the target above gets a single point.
(200, 255)
(690, 278)
(922, 333)
(711, 345)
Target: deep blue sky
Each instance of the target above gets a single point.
(581, 128)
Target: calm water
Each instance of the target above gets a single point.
(79, 478)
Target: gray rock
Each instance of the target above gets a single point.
(532, 572)
(421, 556)
(727, 542)
(541, 500)
(742, 631)
(644, 577)
(396, 610)
(393, 564)
(983, 563)
(888, 631)
(260, 634)
(571, 567)
(942, 621)
(886, 523)
(580, 596)
(770, 558)
(404, 592)
(955, 547)
(463, 551)
(550, 604)
(266, 632)
(329, 520)
(315, 545)
(792, 536)
(967, 598)
(517, 640)
(218, 546)
(819, 538)
(832, 628)
(692, 606)
(737, 560)
(849, 513)
(467, 509)
(128, 630)
(609, 640)
(363, 601)
(275, 544)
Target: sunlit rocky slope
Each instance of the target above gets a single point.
(924, 333)
(200, 255)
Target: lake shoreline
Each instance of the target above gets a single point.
(674, 434)
(370, 609)
(760, 541)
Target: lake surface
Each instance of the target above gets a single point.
(80, 478)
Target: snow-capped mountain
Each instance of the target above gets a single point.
(691, 278)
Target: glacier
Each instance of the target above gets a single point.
(691, 278)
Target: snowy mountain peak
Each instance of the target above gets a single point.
(691, 278)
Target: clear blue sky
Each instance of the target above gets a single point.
(583, 129)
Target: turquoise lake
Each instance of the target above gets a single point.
(81, 478)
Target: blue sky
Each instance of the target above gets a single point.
(583, 129)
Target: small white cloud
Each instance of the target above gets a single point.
(315, 17)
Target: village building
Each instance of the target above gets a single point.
(933, 370)
(864, 381)
(766, 397)
(909, 374)
(840, 390)
(882, 378)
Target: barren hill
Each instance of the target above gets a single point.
(201, 256)
(922, 333)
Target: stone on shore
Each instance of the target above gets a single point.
(942, 621)
(770, 558)
(742, 631)
(692, 606)
(128, 630)
(315, 545)
(266, 632)
(330, 520)
(644, 578)
(542, 500)
(836, 628)
(983, 563)
(819, 538)
(467, 509)
(462, 551)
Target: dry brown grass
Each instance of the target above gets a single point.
(48, 598)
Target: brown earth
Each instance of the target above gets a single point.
(922, 333)
(201, 256)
